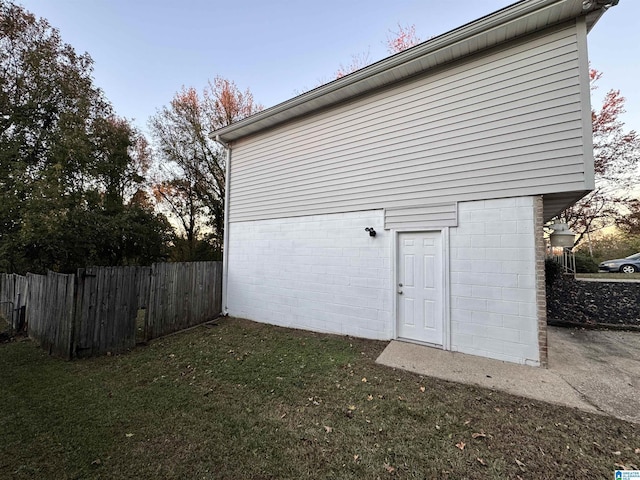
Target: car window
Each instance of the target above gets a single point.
(635, 256)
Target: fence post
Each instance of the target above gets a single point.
(77, 312)
(22, 315)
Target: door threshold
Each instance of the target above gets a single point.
(420, 342)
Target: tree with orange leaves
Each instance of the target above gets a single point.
(403, 39)
(396, 42)
(191, 180)
(616, 154)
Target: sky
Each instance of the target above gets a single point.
(146, 50)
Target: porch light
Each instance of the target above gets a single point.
(562, 236)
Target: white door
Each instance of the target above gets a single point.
(420, 287)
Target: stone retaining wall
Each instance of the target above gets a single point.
(592, 303)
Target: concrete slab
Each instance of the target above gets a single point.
(595, 371)
(603, 366)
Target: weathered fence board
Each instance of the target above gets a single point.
(95, 311)
(107, 305)
(36, 305)
(50, 309)
(183, 295)
(143, 284)
(13, 299)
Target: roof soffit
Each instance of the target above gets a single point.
(514, 21)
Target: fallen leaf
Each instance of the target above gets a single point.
(369, 397)
(422, 389)
(364, 379)
(389, 468)
(617, 453)
(128, 435)
(437, 427)
(351, 407)
(520, 464)
(467, 422)
(460, 445)
(328, 429)
(478, 435)
(97, 461)
(283, 415)
(481, 461)
(637, 450)
(356, 458)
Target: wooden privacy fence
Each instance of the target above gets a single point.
(50, 311)
(13, 299)
(97, 310)
(106, 308)
(181, 295)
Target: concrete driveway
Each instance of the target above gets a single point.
(602, 366)
(596, 371)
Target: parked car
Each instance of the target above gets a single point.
(630, 264)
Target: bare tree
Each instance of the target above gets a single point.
(191, 180)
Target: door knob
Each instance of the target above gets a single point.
(399, 284)
(400, 292)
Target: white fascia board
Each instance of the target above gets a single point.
(527, 14)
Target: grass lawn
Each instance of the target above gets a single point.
(242, 400)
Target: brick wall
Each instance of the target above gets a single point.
(320, 272)
(494, 311)
(541, 298)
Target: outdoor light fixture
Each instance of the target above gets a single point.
(372, 232)
(562, 236)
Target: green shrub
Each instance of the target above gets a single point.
(585, 264)
(608, 247)
(552, 271)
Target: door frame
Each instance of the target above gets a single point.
(446, 310)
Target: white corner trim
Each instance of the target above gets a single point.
(446, 310)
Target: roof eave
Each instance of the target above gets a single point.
(380, 73)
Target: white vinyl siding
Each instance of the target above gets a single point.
(427, 216)
(506, 123)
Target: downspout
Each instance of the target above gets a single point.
(225, 243)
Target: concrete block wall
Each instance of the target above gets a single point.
(319, 272)
(494, 311)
